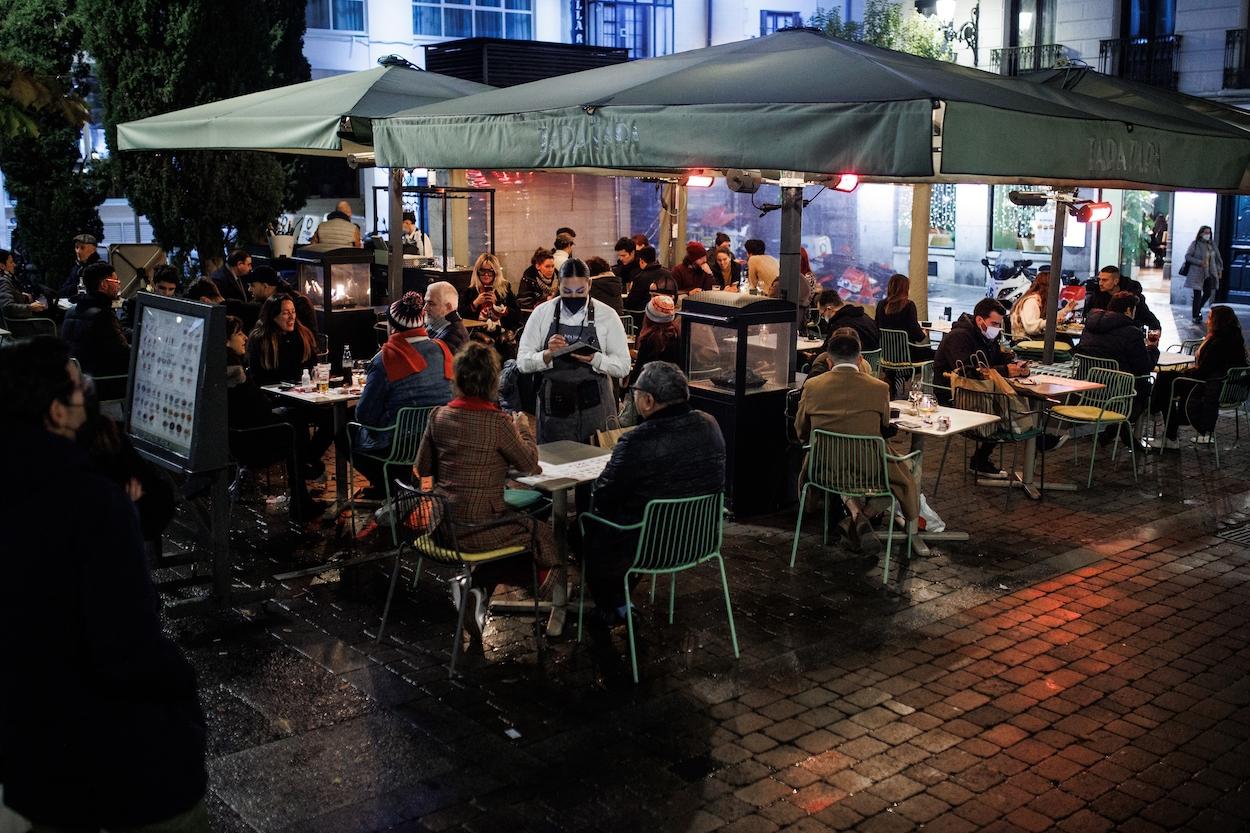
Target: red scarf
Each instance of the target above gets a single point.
(401, 358)
(472, 403)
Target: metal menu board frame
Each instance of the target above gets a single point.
(176, 392)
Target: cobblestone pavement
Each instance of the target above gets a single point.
(1080, 664)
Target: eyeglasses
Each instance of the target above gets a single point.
(490, 272)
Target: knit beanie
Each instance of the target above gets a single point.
(695, 250)
(408, 312)
(661, 310)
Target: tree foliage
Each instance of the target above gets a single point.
(40, 43)
(154, 56)
(887, 24)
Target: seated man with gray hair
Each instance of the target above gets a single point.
(674, 452)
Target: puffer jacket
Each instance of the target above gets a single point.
(676, 452)
(959, 346)
(95, 336)
(1113, 335)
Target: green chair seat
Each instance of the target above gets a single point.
(1033, 346)
(521, 499)
(1087, 413)
(427, 547)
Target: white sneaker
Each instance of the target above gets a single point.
(1164, 444)
(1203, 439)
(475, 616)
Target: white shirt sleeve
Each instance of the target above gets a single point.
(613, 356)
(529, 357)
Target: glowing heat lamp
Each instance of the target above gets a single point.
(1093, 212)
(846, 182)
(698, 180)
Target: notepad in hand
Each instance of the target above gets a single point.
(577, 348)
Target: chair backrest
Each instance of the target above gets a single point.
(627, 321)
(30, 327)
(420, 515)
(849, 464)
(1119, 387)
(1236, 389)
(894, 347)
(873, 357)
(410, 426)
(679, 532)
(1190, 345)
(1084, 365)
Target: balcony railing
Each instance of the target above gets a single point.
(1019, 59)
(1149, 60)
(1236, 59)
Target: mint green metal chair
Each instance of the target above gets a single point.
(1082, 365)
(1187, 347)
(896, 358)
(405, 436)
(873, 357)
(850, 465)
(1234, 391)
(1110, 405)
(674, 534)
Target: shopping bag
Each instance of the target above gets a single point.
(608, 437)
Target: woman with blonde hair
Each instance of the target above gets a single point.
(489, 298)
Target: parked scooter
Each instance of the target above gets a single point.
(1008, 283)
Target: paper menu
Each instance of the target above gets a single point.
(167, 375)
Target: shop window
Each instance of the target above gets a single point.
(473, 19)
(339, 15)
(772, 21)
(941, 216)
(644, 27)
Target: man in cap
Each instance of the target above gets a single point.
(693, 273)
(264, 284)
(411, 370)
(85, 252)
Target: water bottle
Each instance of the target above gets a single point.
(305, 381)
(347, 363)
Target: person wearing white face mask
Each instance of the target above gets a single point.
(1203, 269)
(575, 397)
(972, 336)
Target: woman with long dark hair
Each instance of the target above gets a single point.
(280, 348)
(898, 312)
(1223, 348)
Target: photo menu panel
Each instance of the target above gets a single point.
(166, 382)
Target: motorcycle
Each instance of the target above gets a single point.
(1007, 283)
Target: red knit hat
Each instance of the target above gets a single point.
(695, 250)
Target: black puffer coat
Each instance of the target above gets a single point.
(95, 336)
(1113, 335)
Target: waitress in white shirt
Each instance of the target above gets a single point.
(575, 396)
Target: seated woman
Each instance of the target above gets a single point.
(280, 349)
(1222, 348)
(411, 370)
(489, 298)
(898, 312)
(468, 448)
(1028, 321)
(538, 282)
(726, 272)
(248, 407)
(659, 340)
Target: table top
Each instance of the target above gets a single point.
(1174, 360)
(1054, 386)
(470, 323)
(769, 340)
(1071, 328)
(943, 327)
(961, 420)
(566, 464)
(334, 397)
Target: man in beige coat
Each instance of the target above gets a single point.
(847, 401)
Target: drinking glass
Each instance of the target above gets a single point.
(323, 348)
(928, 407)
(914, 394)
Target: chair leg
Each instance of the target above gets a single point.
(672, 595)
(390, 592)
(1093, 455)
(798, 525)
(729, 610)
(629, 627)
(538, 639)
(581, 598)
(1132, 446)
(824, 530)
(889, 543)
(464, 606)
(1011, 472)
(946, 447)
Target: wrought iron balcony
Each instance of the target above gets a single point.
(1149, 60)
(1236, 59)
(1019, 59)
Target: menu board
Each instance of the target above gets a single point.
(176, 403)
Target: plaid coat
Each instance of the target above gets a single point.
(468, 453)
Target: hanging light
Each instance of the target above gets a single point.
(846, 182)
(697, 180)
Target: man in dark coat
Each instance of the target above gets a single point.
(264, 283)
(971, 336)
(693, 273)
(650, 273)
(1109, 281)
(86, 254)
(626, 267)
(675, 452)
(100, 724)
(836, 313)
(1114, 333)
(231, 278)
(605, 286)
(93, 332)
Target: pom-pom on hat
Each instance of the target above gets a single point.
(660, 309)
(408, 312)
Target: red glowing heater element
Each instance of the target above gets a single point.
(846, 182)
(1092, 212)
(698, 181)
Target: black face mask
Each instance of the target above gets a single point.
(572, 304)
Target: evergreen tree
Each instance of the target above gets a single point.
(43, 168)
(154, 56)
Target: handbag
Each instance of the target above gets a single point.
(1009, 405)
(1184, 270)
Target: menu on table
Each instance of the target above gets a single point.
(167, 379)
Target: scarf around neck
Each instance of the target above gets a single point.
(401, 359)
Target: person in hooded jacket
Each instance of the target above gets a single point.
(605, 285)
(652, 279)
(836, 313)
(1113, 333)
